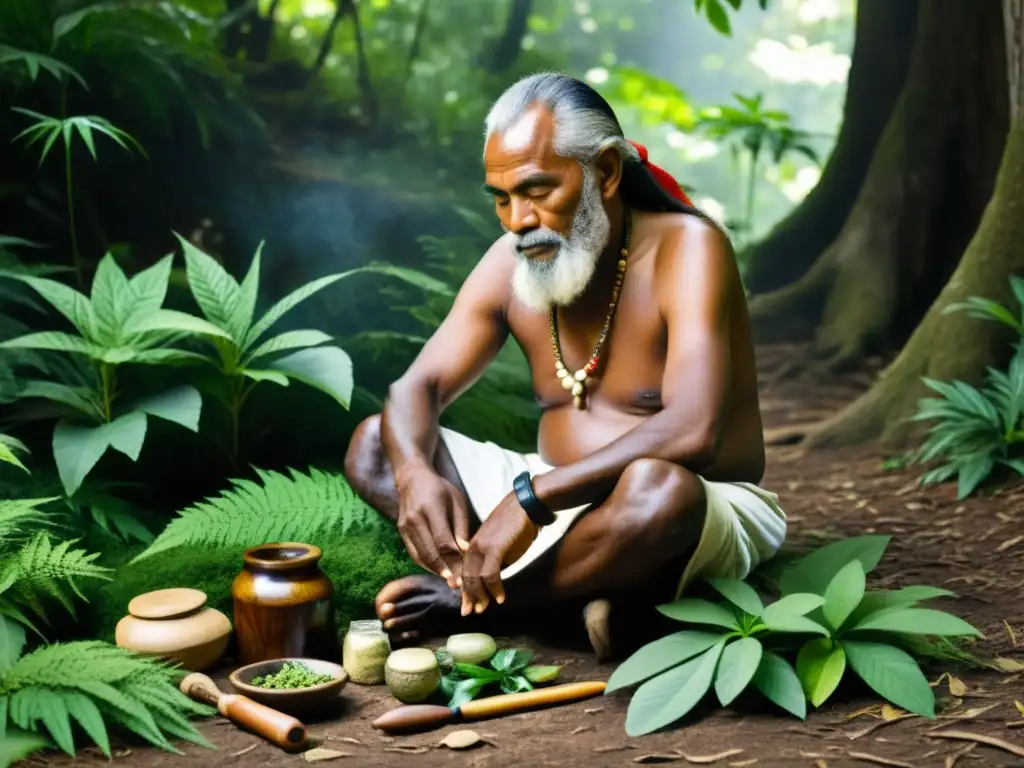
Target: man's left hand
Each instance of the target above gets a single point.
(502, 539)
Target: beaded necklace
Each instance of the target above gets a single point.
(576, 382)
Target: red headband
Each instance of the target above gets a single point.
(663, 177)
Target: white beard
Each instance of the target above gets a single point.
(540, 285)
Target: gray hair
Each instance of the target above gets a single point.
(585, 124)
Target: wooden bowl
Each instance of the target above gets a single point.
(291, 700)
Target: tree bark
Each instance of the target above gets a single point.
(881, 55)
(506, 50)
(923, 195)
(955, 346)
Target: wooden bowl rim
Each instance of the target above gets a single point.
(339, 681)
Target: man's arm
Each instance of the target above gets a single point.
(449, 363)
(695, 282)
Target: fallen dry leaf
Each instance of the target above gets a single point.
(967, 714)
(879, 760)
(889, 712)
(742, 763)
(851, 735)
(581, 729)
(408, 750)
(708, 759)
(1009, 543)
(593, 711)
(250, 748)
(1011, 633)
(957, 687)
(320, 754)
(1020, 707)
(873, 711)
(981, 738)
(820, 764)
(461, 740)
(616, 748)
(1004, 664)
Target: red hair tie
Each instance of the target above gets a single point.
(663, 177)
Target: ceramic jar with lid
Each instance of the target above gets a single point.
(284, 605)
(175, 624)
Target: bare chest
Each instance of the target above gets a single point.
(630, 361)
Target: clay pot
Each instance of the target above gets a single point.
(284, 605)
(175, 624)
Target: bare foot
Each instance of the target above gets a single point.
(421, 606)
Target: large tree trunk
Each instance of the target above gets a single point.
(955, 346)
(878, 68)
(922, 197)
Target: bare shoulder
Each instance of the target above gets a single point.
(693, 256)
(490, 282)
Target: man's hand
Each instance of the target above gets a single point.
(502, 539)
(433, 520)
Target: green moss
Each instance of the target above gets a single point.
(358, 566)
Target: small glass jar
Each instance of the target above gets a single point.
(365, 651)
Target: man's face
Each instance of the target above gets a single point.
(551, 205)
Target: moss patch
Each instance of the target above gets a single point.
(358, 565)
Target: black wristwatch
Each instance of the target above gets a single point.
(535, 509)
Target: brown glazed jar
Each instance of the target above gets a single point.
(284, 605)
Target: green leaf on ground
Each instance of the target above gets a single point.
(739, 663)
(797, 604)
(844, 593)
(820, 665)
(916, 621)
(778, 681)
(893, 674)
(657, 656)
(813, 572)
(697, 611)
(740, 594)
(668, 697)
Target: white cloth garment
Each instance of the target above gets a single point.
(744, 525)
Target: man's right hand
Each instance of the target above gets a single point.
(432, 516)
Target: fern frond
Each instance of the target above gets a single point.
(19, 516)
(96, 685)
(296, 508)
(44, 570)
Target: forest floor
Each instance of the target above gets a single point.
(974, 547)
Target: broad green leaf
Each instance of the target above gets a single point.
(411, 276)
(328, 369)
(739, 663)
(778, 681)
(972, 473)
(111, 299)
(844, 593)
(916, 621)
(241, 319)
(657, 656)
(477, 672)
(288, 303)
(893, 674)
(77, 448)
(289, 340)
(88, 715)
(176, 322)
(820, 665)
(274, 376)
(539, 674)
(74, 397)
(466, 690)
(12, 641)
(796, 624)
(672, 694)
(877, 600)
(56, 341)
(149, 288)
(511, 659)
(515, 684)
(718, 17)
(796, 604)
(215, 291)
(740, 594)
(697, 611)
(182, 405)
(813, 572)
(66, 300)
(170, 357)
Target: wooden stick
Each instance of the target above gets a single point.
(276, 727)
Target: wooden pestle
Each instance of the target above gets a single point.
(422, 717)
(276, 727)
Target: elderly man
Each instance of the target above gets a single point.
(630, 311)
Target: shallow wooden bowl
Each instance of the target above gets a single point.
(291, 700)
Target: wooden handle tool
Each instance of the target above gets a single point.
(422, 717)
(276, 727)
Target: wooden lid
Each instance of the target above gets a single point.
(166, 603)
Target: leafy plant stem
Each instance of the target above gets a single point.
(76, 258)
(751, 188)
(107, 378)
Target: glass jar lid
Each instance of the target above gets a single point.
(367, 625)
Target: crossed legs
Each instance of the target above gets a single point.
(629, 550)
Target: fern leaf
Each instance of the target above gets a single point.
(278, 508)
(97, 685)
(18, 515)
(44, 570)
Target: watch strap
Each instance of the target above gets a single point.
(535, 509)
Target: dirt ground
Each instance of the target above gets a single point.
(975, 548)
